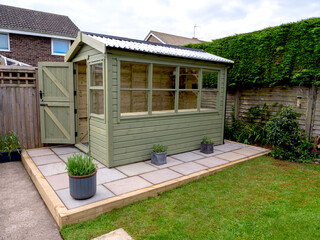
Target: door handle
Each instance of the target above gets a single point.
(41, 94)
(43, 104)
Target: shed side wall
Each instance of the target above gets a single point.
(132, 139)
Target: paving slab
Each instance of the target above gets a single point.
(216, 152)
(46, 159)
(228, 147)
(118, 234)
(258, 149)
(127, 185)
(69, 202)
(65, 150)
(230, 156)
(160, 176)
(246, 151)
(136, 168)
(105, 175)
(52, 168)
(58, 181)
(187, 156)
(170, 162)
(188, 168)
(23, 214)
(39, 152)
(211, 162)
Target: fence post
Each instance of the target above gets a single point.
(310, 110)
(236, 103)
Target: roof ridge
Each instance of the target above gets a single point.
(152, 31)
(34, 10)
(142, 41)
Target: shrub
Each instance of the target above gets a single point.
(249, 129)
(80, 165)
(287, 139)
(158, 148)
(207, 140)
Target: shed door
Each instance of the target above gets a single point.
(56, 102)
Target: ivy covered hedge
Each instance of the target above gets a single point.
(285, 55)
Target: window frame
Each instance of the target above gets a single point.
(59, 54)
(6, 50)
(94, 88)
(176, 89)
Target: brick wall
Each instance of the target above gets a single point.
(31, 50)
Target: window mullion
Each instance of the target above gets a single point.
(200, 90)
(150, 89)
(176, 99)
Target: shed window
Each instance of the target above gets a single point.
(134, 88)
(60, 47)
(96, 89)
(4, 42)
(147, 89)
(209, 93)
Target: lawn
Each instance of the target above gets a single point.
(260, 199)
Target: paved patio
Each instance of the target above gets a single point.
(113, 182)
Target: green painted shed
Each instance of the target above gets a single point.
(115, 97)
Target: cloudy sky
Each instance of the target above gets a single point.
(215, 18)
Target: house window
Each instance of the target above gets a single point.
(152, 89)
(4, 42)
(60, 47)
(96, 90)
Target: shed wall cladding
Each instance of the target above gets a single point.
(132, 138)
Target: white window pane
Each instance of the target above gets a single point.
(4, 43)
(60, 46)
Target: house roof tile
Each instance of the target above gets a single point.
(27, 20)
(173, 39)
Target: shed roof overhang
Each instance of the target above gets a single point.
(102, 42)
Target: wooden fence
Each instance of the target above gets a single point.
(309, 108)
(19, 106)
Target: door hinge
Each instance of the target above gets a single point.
(75, 111)
(76, 134)
(75, 93)
(74, 71)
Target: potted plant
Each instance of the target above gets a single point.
(206, 145)
(159, 154)
(10, 148)
(82, 176)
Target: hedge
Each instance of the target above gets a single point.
(285, 55)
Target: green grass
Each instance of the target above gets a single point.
(260, 199)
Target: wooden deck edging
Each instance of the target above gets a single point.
(63, 216)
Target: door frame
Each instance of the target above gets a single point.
(78, 144)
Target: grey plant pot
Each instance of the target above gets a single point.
(206, 148)
(83, 187)
(158, 158)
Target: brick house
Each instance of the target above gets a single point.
(165, 38)
(32, 36)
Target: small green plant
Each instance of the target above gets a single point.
(207, 140)
(9, 143)
(158, 148)
(80, 165)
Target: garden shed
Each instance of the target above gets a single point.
(115, 97)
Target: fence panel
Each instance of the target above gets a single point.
(19, 106)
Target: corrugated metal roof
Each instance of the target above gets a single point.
(156, 48)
